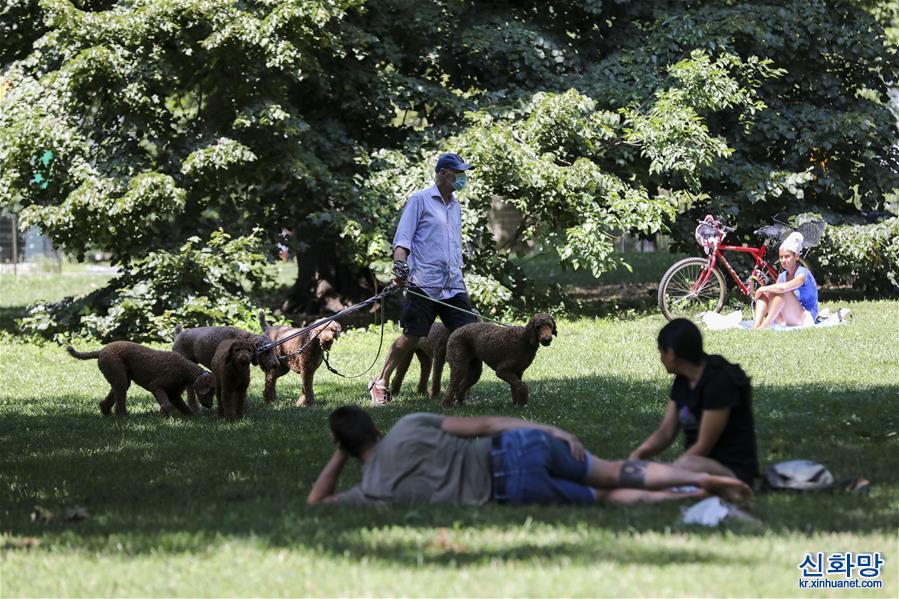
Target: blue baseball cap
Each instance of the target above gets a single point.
(453, 161)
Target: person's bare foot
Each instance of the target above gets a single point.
(729, 489)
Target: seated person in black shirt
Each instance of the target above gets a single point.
(711, 400)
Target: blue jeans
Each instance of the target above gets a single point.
(532, 466)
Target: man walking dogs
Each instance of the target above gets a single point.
(427, 254)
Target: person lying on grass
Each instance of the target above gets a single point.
(711, 400)
(429, 458)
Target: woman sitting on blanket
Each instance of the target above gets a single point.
(793, 300)
(711, 400)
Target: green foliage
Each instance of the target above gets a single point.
(550, 157)
(168, 120)
(220, 156)
(203, 283)
(19, 28)
(887, 13)
(864, 256)
(827, 119)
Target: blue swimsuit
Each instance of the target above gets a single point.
(808, 293)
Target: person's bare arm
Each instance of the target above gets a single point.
(663, 436)
(710, 428)
(400, 253)
(483, 426)
(324, 487)
(779, 288)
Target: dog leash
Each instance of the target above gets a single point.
(373, 362)
(475, 314)
(285, 357)
(325, 354)
(390, 289)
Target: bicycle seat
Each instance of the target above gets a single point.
(778, 232)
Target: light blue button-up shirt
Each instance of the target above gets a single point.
(432, 232)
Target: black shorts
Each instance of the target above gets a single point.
(419, 313)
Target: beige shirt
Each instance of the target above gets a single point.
(419, 462)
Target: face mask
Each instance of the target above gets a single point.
(460, 181)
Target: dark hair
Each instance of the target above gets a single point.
(354, 429)
(682, 336)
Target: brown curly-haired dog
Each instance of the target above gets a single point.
(199, 344)
(231, 365)
(431, 353)
(305, 363)
(507, 350)
(164, 374)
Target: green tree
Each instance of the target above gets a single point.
(164, 120)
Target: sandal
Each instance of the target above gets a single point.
(380, 394)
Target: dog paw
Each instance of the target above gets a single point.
(303, 401)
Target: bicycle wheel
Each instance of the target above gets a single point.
(676, 298)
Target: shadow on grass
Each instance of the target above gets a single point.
(184, 485)
(8, 317)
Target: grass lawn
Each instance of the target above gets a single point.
(204, 508)
(544, 268)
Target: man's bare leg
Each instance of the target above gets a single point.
(635, 496)
(400, 350)
(652, 476)
(697, 463)
(692, 463)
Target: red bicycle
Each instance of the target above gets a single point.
(695, 285)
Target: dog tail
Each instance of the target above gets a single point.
(262, 322)
(90, 355)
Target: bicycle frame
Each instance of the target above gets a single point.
(758, 255)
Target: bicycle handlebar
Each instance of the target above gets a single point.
(715, 222)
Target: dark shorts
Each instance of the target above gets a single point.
(531, 466)
(419, 313)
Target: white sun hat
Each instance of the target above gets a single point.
(793, 242)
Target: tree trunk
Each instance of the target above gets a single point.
(327, 283)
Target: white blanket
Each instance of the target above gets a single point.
(720, 322)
